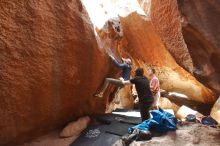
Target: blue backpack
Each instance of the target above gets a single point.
(166, 120)
(162, 121)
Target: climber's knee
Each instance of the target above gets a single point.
(108, 79)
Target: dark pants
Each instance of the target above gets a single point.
(144, 109)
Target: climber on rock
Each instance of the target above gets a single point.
(155, 88)
(125, 75)
(144, 92)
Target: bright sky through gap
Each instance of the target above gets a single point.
(102, 10)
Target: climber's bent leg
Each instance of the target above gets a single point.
(106, 83)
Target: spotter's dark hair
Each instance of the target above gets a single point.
(139, 72)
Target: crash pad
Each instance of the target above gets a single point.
(95, 136)
(108, 129)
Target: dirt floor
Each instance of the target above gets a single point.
(187, 135)
(51, 139)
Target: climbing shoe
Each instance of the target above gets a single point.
(100, 95)
(143, 135)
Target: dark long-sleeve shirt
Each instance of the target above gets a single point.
(143, 88)
(126, 69)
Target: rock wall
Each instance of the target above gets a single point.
(167, 22)
(50, 66)
(215, 113)
(147, 50)
(189, 30)
(50, 63)
(203, 16)
(201, 33)
(144, 46)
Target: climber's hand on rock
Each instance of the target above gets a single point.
(123, 59)
(136, 100)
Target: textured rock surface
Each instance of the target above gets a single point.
(147, 49)
(215, 113)
(201, 33)
(189, 30)
(197, 14)
(50, 66)
(142, 43)
(166, 20)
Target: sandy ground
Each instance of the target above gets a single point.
(51, 139)
(186, 135)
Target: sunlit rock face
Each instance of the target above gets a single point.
(50, 66)
(141, 42)
(215, 113)
(189, 30)
(153, 42)
(201, 33)
(51, 62)
(101, 11)
(147, 49)
(167, 22)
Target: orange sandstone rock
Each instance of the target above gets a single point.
(167, 23)
(147, 49)
(201, 34)
(144, 45)
(50, 66)
(189, 30)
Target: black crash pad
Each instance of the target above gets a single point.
(118, 128)
(107, 131)
(111, 118)
(96, 136)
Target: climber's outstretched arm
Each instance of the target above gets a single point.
(116, 62)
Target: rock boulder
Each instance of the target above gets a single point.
(50, 66)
